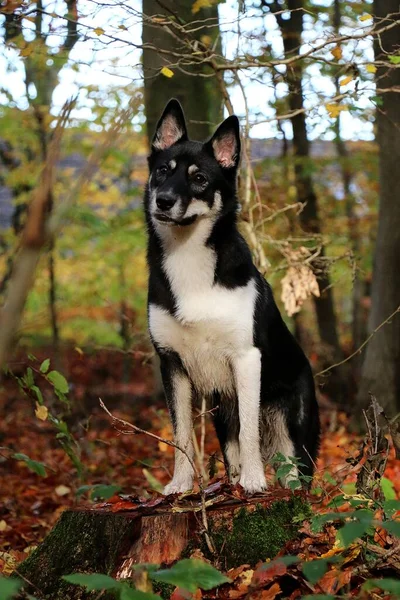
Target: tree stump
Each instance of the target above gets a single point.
(113, 538)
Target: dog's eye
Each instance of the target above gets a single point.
(199, 178)
(163, 170)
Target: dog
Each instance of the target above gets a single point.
(212, 317)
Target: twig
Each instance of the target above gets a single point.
(362, 345)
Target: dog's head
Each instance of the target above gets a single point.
(191, 181)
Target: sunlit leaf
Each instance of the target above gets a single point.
(167, 72)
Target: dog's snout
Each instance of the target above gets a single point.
(165, 202)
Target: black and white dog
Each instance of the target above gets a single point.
(212, 317)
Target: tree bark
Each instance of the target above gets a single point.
(101, 541)
(381, 368)
(199, 95)
(292, 29)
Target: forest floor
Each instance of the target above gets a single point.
(30, 504)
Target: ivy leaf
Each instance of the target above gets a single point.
(59, 382)
(191, 574)
(9, 587)
(93, 581)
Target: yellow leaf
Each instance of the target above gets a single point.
(26, 51)
(62, 490)
(3, 525)
(99, 31)
(337, 52)
(199, 4)
(371, 68)
(335, 109)
(365, 17)
(346, 80)
(122, 27)
(79, 350)
(206, 40)
(41, 412)
(167, 72)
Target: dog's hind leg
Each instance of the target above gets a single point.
(226, 423)
(178, 391)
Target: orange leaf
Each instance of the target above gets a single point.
(333, 580)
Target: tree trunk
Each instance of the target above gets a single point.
(381, 372)
(292, 29)
(200, 96)
(101, 541)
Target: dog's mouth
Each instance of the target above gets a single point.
(163, 218)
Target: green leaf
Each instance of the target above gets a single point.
(388, 489)
(395, 59)
(350, 531)
(191, 574)
(38, 394)
(283, 471)
(58, 381)
(153, 481)
(104, 491)
(9, 587)
(315, 569)
(93, 581)
(388, 585)
(33, 465)
(391, 506)
(44, 367)
(328, 477)
(392, 527)
(128, 593)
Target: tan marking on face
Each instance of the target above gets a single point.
(193, 169)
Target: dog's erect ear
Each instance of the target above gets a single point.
(171, 128)
(225, 143)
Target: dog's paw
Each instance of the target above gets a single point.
(253, 482)
(178, 486)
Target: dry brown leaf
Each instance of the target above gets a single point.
(298, 284)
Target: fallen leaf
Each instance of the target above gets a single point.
(334, 580)
(62, 490)
(3, 525)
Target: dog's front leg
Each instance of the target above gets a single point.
(178, 393)
(247, 369)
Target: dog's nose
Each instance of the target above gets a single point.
(165, 202)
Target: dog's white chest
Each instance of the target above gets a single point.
(212, 324)
(219, 330)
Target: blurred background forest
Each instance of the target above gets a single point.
(82, 83)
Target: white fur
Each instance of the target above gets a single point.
(247, 369)
(183, 472)
(232, 452)
(192, 169)
(167, 134)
